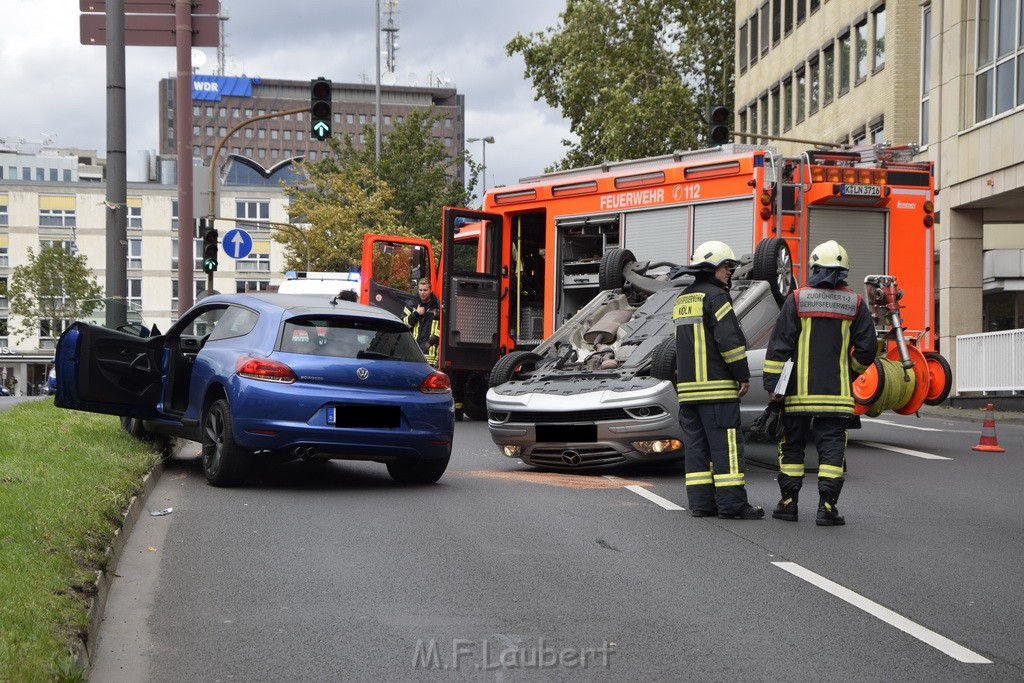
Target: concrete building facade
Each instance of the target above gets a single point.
(947, 76)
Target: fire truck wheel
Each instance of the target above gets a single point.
(508, 366)
(774, 264)
(474, 403)
(609, 273)
(663, 360)
(940, 378)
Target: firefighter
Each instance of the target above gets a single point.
(425, 321)
(711, 376)
(819, 326)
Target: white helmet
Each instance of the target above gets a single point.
(713, 254)
(830, 255)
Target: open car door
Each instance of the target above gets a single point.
(471, 296)
(391, 266)
(104, 371)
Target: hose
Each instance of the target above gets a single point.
(897, 389)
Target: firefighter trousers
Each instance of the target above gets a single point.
(713, 456)
(830, 433)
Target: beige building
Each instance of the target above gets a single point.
(947, 76)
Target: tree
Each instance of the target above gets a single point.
(339, 206)
(633, 77)
(53, 287)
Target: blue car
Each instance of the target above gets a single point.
(270, 376)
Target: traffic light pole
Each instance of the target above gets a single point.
(211, 215)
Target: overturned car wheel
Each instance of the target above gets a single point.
(774, 264)
(663, 360)
(609, 273)
(508, 366)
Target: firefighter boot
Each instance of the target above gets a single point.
(828, 513)
(786, 508)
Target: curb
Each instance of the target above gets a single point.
(86, 650)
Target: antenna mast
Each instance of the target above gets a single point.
(390, 30)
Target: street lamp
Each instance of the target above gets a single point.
(483, 166)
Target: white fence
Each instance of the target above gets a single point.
(991, 361)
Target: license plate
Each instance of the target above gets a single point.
(365, 417)
(567, 433)
(862, 190)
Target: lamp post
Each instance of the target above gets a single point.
(483, 166)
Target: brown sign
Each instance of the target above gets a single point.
(150, 30)
(151, 6)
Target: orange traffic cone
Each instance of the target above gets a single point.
(988, 434)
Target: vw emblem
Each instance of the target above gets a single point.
(362, 373)
(572, 458)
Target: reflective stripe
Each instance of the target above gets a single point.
(803, 369)
(699, 320)
(734, 461)
(696, 396)
(845, 388)
(773, 366)
(698, 478)
(723, 311)
(830, 472)
(857, 367)
(729, 480)
(708, 384)
(698, 475)
(733, 355)
(792, 470)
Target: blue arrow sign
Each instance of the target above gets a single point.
(237, 243)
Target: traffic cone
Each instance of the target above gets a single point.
(988, 434)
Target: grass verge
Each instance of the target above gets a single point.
(66, 478)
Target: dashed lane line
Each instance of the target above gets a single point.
(904, 451)
(925, 635)
(890, 423)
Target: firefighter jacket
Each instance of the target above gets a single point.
(817, 329)
(425, 328)
(711, 351)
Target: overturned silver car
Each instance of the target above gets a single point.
(600, 392)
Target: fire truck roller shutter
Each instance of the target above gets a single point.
(862, 232)
(658, 235)
(731, 222)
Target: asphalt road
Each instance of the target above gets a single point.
(326, 572)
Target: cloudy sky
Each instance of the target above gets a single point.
(54, 86)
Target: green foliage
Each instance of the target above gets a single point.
(66, 478)
(54, 285)
(346, 196)
(339, 205)
(633, 77)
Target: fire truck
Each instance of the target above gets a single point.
(513, 272)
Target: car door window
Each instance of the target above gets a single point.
(234, 322)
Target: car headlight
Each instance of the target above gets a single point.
(657, 445)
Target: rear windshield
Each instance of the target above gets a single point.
(343, 337)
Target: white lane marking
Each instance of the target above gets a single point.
(875, 420)
(925, 635)
(655, 498)
(904, 451)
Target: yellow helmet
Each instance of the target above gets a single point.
(713, 253)
(830, 255)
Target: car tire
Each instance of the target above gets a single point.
(427, 472)
(509, 365)
(663, 360)
(135, 428)
(774, 264)
(224, 463)
(609, 272)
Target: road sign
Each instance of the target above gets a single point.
(150, 30)
(150, 6)
(321, 129)
(237, 243)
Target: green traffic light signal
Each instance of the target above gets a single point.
(320, 108)
(211, 248)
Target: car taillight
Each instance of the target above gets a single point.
(264, 369)
(436, 383)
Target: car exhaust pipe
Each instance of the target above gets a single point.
(304, 451)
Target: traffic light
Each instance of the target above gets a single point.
(718, 124)
(320, 108)
(210, 249)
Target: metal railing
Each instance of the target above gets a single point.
(990, 361)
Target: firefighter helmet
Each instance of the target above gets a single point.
(713, 254)
(830, 255)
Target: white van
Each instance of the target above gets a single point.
(303, 282)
